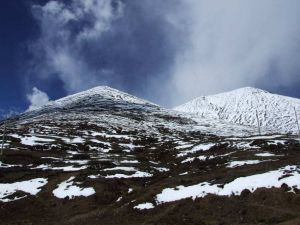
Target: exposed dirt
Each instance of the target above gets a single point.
(264, 206)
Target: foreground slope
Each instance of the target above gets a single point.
(105, 157)
(275, 112)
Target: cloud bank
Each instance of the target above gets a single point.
(129, 45)
(37, 99)
(239, 43)
(168, 51)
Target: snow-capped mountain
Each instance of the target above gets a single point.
(104, 155)
(242, 106)
(95, 96)
(113, 108)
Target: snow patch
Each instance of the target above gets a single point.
(69, 189)
(265, 180)
(64, 168)
(137, 174)
(31, 187)
(4, 165)
(265, 154)
(201, 158)
(146, 205)
(33, 140)
(129, 161)
(234, 164)
(200, 147)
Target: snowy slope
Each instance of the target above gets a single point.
(97, 95)
(275, 112)
(109, 107)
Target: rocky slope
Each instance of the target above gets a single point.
(105, 157)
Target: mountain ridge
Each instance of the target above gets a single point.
(239, 106)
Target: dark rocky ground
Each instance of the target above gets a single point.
(263, 206)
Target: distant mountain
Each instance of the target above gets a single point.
(275, 112)
(114, 109)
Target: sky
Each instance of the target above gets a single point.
(167, 51)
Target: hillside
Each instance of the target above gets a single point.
(275, 112)
(105, 157)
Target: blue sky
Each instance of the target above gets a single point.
(165, 51)
(18, 28)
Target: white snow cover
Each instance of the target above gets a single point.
(200, 147)
(30, 186)
(75, 140)
(4, 165)
(264, 137)
(183, 146)
(69, 189)
(124, 168)
(130, 146)
(63, 168)
(123, 136)
(276, 142)
(267, 180)
(244, 145)
(234, 164)
(33, 140)
(265, 154)
(15, 136)
(119, 199)
(146, 205)
(161, 169)
(276, 112)
(98, 93)
(100, 142)
(104, 96)
(129, 161)
(137, 174)
(182, 174)
(201, 158)
(78, 162)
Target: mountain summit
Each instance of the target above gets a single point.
(96, 96)
(240, 106)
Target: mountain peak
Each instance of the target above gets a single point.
(250, 90)
(102, 89)
(100, 95)
(242, 105)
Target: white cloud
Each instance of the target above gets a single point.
(215, 45)
(238, 43)
(65, 28)
(37, 99)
